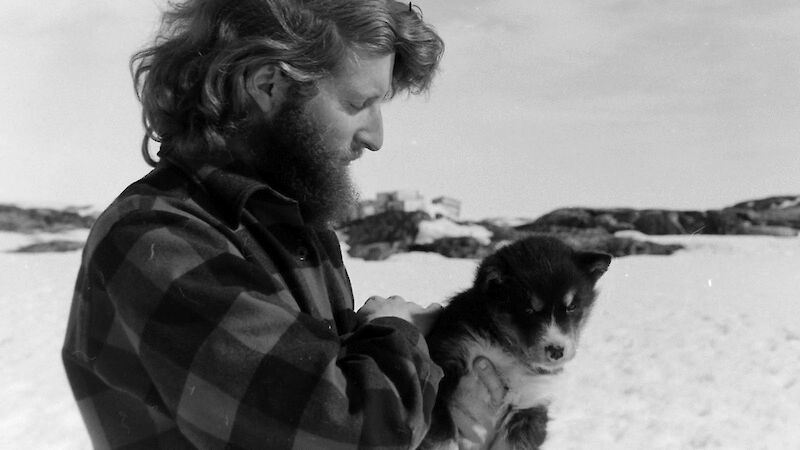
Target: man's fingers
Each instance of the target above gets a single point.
(469, 428)
(396, 306)
(488, 376)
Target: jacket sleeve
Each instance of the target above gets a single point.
(236, 363)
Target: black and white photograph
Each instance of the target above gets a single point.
(378, 224)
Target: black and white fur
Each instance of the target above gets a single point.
(525, 311)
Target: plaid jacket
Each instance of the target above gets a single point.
(207, 315)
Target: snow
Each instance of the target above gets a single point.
(789, 203)
(700, 349)
(37, 410)
(431, 230)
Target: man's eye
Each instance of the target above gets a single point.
(357, 106)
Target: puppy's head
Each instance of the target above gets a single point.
(540, 292)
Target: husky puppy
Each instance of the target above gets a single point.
(524, 313)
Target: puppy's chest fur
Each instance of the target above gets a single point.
(526, 388)
(523, 313)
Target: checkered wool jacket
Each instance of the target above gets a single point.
(207, 315)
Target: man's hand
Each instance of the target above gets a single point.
(396, 306)
(478, 405)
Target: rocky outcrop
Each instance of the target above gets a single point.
(379, 236)
(456, 247)
(57, 245)
(32, 220)
(45, 220)
(654, 222)
(375, 251)
(770, 203)
(781, 211)
(778, 216)
(599, 240)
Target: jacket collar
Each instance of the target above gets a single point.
(234, 186)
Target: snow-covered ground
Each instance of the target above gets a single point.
(431, 230)
(700, 349)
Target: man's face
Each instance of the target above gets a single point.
(308, 145)
(348, 105)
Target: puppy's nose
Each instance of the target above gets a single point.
(554, 352)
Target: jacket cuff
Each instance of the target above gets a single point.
(404, 328)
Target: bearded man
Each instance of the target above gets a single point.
(212, 308)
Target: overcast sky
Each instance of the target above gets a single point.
(539, 104)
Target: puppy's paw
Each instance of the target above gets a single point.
(527, 428)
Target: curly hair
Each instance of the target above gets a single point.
(192, 80)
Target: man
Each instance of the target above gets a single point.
(212, 308)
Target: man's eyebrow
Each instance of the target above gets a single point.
(367, 100)
(367, 96)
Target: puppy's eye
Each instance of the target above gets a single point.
(572, 308)
(530, 311)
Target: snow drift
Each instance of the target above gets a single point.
(700, 349)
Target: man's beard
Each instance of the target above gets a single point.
(290, 154)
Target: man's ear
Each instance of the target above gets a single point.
(268, 87)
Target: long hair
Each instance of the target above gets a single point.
(192, 80)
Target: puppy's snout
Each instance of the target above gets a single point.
(554, 352)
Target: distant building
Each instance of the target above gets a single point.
(383, 198)
(445, 207)
(407, 201)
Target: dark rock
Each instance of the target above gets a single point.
(776, 202)
(770, 230)
(51, 246)
(658, 222)
(599, 240)
(29, 220)
(726, 221)
(740, 219)
(395, 227)
(584, 228)
(456, 247)
(575, 218)
(694, 222)
(763, 214)
(376, 251)
(613, 223)
(501, 233)
(785, 217)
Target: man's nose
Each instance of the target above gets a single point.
(370, 135)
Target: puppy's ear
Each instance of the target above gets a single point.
(593, 263)
(490, 275)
